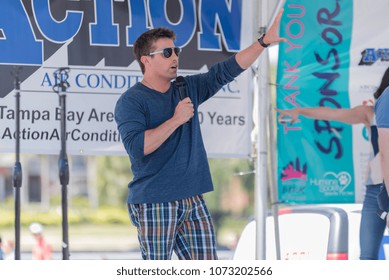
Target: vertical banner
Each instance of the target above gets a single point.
(94, 40)
(315, 156)
(335, 57)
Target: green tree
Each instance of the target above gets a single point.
(113, 176)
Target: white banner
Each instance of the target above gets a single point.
(96, 45)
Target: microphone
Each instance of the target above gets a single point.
(181, 84)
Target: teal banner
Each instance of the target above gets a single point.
(315, 157)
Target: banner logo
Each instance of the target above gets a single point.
(294, 171)
(333, 183)
(294, 178)
(371, 55)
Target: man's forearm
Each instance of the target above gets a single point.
(155, 137)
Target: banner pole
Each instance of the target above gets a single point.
(261, 159)
(262, 184)
(273, 183)
(273, 162)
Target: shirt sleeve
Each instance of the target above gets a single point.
(131, 123)
(208, 84)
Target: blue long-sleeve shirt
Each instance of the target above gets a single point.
(179, 168)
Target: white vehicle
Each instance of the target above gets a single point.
(310, 232)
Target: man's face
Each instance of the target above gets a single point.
(158, 64)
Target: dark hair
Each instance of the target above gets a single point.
(145, 42)
(384, 84)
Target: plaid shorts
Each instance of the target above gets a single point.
(184, 226)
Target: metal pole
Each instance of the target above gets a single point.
(62, 74)
(261, 192)
(261, 159)
(273, 184)
(17, 171)
(273, 161)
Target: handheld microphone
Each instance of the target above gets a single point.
(181, 84)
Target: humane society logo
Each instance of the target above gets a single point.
(333, 183)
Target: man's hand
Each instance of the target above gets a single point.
(184, 111)
(272, 35)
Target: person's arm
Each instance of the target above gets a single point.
(131, 121)
(359, 114)
(383, 142)
(155, 137)
(246, 57)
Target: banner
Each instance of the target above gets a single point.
(94, 40)
(336, 56)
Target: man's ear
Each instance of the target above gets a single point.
(144, 59)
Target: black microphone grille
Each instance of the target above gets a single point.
(180, 80)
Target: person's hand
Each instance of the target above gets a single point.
(184, 110)
(289, 115)
(272, 35)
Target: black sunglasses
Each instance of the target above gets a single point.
(167, 52)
